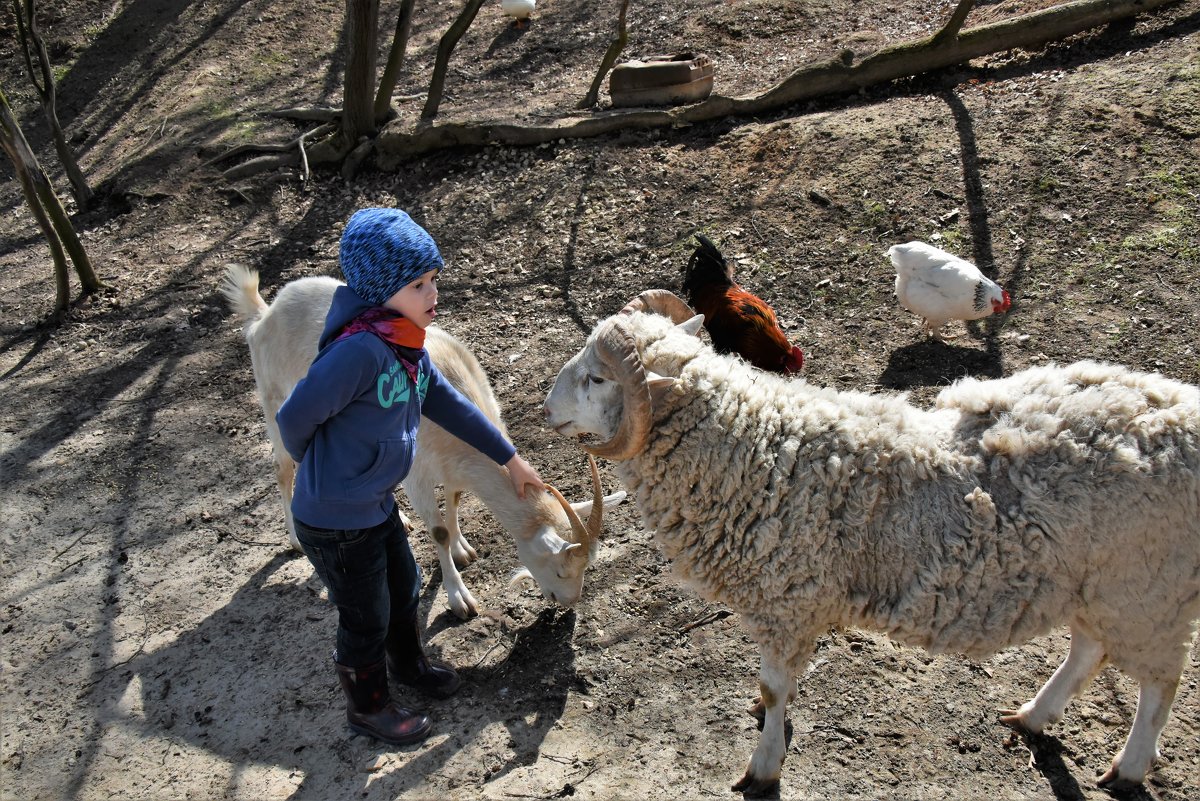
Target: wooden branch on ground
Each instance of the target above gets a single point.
(287, 155)
(306, 113)
(610, 57)
(830, 78)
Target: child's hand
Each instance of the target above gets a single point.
(521, 473)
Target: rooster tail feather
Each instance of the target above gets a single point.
(706, 266)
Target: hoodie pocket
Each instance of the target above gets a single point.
(391, 465)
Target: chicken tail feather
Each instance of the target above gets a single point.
(706, 266)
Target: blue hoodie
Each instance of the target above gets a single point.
(351, 424)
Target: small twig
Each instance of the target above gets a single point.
(158, 132)
(487, 654)
(223, 532)
(712, 617)
(77, 561)
(303, 158)
(69, 547)
(141, 647)
(1174, 291)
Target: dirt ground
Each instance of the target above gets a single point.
(160, 641)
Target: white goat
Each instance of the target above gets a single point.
(552, 543)
(1059, 495)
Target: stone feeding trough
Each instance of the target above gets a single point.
(662, 80)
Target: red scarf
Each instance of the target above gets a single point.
(405, 339)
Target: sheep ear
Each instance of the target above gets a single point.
(692, 326)
(659, 386)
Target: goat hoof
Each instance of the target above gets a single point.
(1012, 718)
(1112, 780)
(758, 711)
(753, 787)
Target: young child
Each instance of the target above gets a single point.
(351, 425)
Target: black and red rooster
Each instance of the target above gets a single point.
(737, 321)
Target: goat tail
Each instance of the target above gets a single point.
(240, 288)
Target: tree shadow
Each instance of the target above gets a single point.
(253, 684)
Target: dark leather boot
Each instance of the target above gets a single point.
(408, 664)
(371, 711)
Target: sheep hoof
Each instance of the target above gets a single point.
(756, 787)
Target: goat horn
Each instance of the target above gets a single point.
(661, 301)
(616, 348)
(577, 526)
(596, 518)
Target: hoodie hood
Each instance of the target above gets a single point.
(345, 307)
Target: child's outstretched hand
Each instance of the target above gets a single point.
(521, 473)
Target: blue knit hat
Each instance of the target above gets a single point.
(383, 250)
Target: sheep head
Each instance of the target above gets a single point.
(604, 390)
(557, 564)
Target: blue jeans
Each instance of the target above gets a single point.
(373, 579)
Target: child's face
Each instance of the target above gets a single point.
(418, 300)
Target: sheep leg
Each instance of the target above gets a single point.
(1083, 660)
(776, 683)
(1130, 766)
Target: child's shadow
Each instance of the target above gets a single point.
(254, 685)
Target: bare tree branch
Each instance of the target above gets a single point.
(391, 71)
(955, 23)
(31, 39)
(445, 47)
(47, 210)
(610, 57)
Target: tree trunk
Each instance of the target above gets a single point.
(445, 48)
(362, 24)
(610, 57)
(30, 35)
(47, 210)
(391, 71)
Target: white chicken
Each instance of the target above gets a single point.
(940, 287)
(519, 10)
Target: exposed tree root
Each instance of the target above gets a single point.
(837, 76)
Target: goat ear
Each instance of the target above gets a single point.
(660, 386)
(692, 326)
(567, 547)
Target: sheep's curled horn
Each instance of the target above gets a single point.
(661, 301)
(617, 350)
(587, 534)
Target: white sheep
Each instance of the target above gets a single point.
(1060, 495)
(553, 544)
